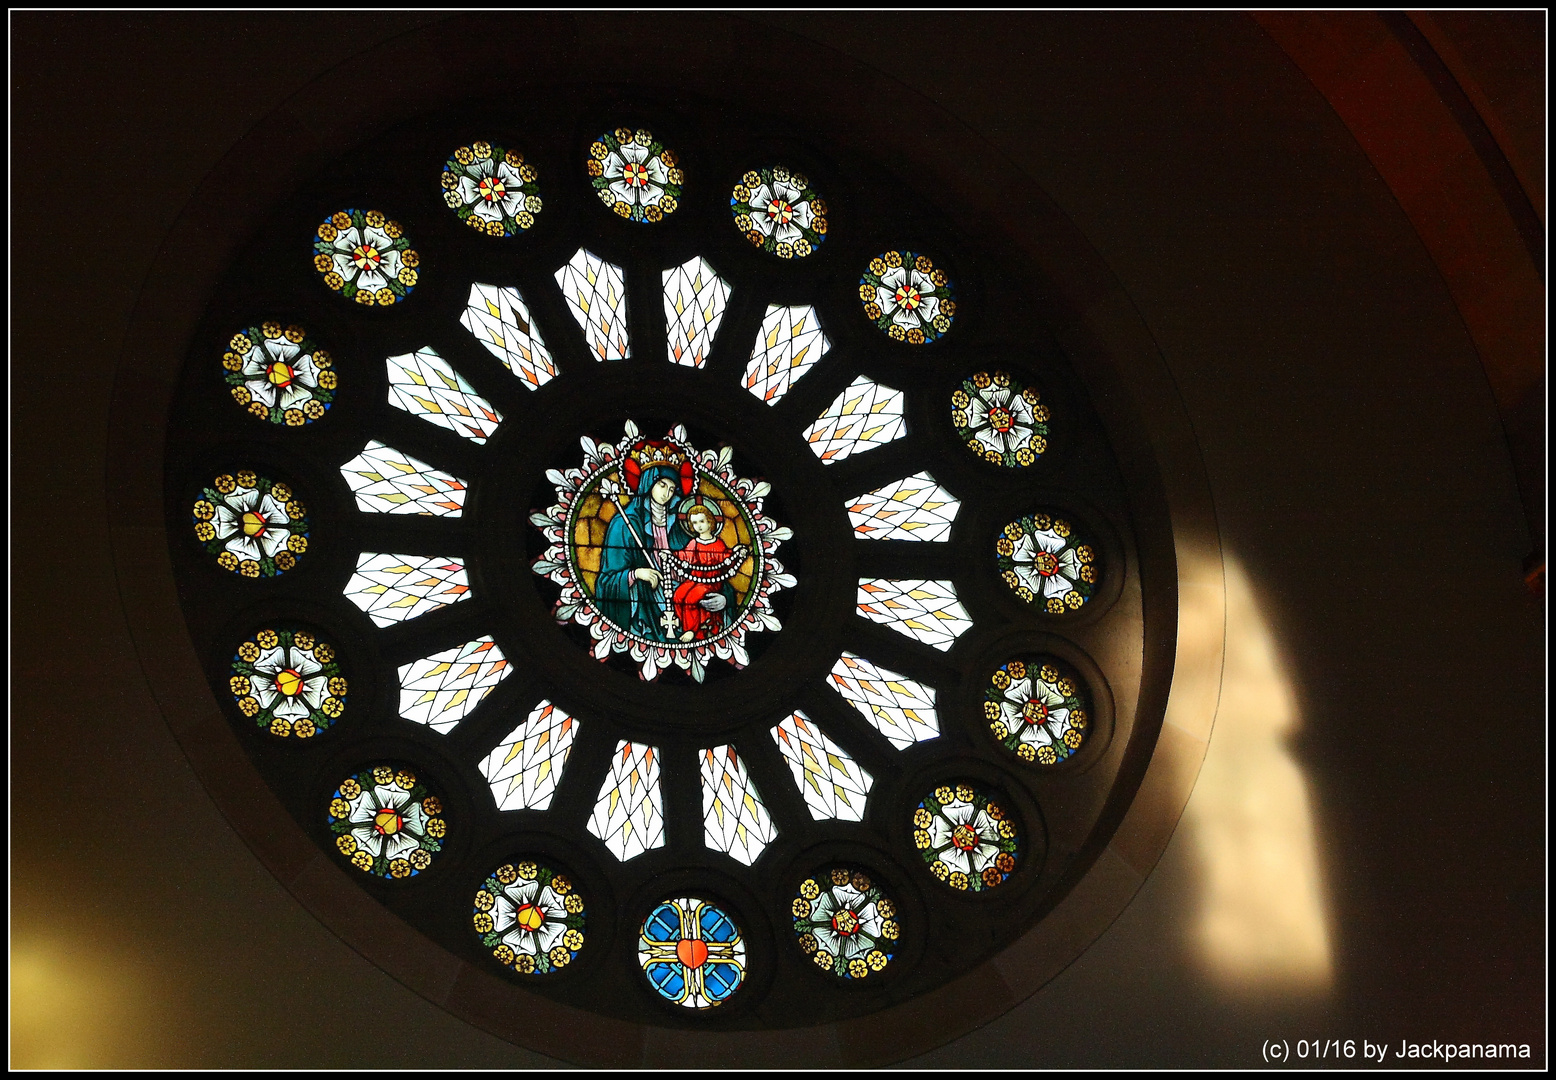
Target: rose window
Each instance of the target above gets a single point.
(609, 589)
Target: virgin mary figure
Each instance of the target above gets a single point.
(633, 590)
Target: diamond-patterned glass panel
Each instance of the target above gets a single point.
(500, 320)
(865, 415)
(735, 820)
(424, 385)
(899, 708)
(596, 293)
(695, 298)
(789, 343)
(629, 813)
(441, 689)
(388, 481)
(926, 611)
(914, 508)
(833, 784)
(393, 588)
(526, 767)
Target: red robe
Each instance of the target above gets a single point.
(706, 568)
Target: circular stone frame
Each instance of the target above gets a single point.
(1084, 311)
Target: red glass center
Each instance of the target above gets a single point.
(636, 175)
(289, 683)
(780, 211)
(845, 922)
(1045, 564)
(692, 952)
(908, 297)
(491, 189)
(387, 821)
(366, 255)
(281, 375)
(1001, 418)
(1035, 711)
(529, 917)
(254, 524)
(965, 837)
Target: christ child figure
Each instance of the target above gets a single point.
(706, 564)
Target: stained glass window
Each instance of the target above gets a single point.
(966, 839)
(692, 952)
(629, 812)
(635, 175)
(387, 481)
(1000, 419)
(251, 524)
(491, 189)
(695, 297)
(386, 822)
(1045, 562)
(844, 923)
(865, 415)
(393, 588)
(654, 563)
(530, 917)
(833, 784)
(1036, 708)
(525, 768)
(500, 320)
(734, 819)
(900, 708)
(596, 293)
(441, 689)
(365, 257)
(926, 611)
(280, 375)
(907, 297)
(288, 682)
(914, 508)
(790, 343)
(663, 552)
(779, 212)
(423, 384)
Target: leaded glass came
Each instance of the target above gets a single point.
(530, 917)
(692, 953)
(1036, 708)
(844, 923)
(289, 683)
(1046, 563)
(280, 375)
(690, 627)
(387, 822)
(490, 189)
(966, 839)
(253, 525)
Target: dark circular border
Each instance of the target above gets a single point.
(1086, 310)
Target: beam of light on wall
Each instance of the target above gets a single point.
(77, 1005)
(1262, 922)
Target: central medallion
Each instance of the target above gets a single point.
(662, 552)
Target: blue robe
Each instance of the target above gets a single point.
(630, 604)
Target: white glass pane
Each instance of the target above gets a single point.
(596, 293)
(735, 821)
(695, 297)
(526, 767)
(387, 481)
(500, 320)
(914, 508)
(441, 689)
(629, 813)
(926, 611)
(424, 385)
(865, 415)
